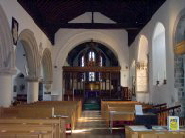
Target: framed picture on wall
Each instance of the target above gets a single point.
(15, 27)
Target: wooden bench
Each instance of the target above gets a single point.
(164, 113)
(58, 125)
(44, 110)
(14, 134)
(106, 104)
(36, 129)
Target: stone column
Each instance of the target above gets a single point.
(32, 89)
(6, 87)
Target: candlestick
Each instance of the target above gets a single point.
(52, 112)
(165, 81)
(157, 82)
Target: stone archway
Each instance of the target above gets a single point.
(7, 63)
(179, 60)
(27, 39)
(82, 37)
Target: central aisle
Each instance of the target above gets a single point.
(91, 125)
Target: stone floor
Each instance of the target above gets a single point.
(91, 125)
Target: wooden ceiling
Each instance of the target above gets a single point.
(51, 15)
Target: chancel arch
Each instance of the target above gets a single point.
(27, 40)
(93, 71)
(142, 70)
(63, 47)
(7, 61)
(159, 54)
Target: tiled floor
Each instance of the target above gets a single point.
(91, 125)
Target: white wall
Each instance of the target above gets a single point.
(21, 62)
(167, 16)
(13, 9)
(67, 39)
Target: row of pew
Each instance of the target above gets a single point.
(112, 111)
(124, 111)
(43, 119)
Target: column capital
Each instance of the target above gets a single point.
(8, 71)
(141, 65)
(47, 86)
(32, 78)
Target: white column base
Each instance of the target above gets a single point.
(6, 87)
(33, 91)
(6, 90)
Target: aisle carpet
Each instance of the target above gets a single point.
(91, 125)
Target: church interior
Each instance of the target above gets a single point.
(92, 68)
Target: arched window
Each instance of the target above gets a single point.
(91, 76)
(142, 66)
(159, 54)
(91, 56)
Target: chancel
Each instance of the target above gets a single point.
(78, 68)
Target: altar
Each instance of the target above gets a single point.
(92, 90)
(92, 94)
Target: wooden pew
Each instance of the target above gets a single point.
(58, 125)
(35, 129)
(164, 113)
(105, 104)
(9, 134)
(44, 110)
(119, 111)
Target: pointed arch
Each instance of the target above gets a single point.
(47, 65)
(84, 37)
(142, 67)
(28, 41)
(143, 49)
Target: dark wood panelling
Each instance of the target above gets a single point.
(50, 15)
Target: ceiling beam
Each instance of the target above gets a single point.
(98, 26)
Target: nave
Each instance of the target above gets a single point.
(91, 125)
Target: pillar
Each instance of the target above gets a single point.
(32, 89)
(6, 87)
